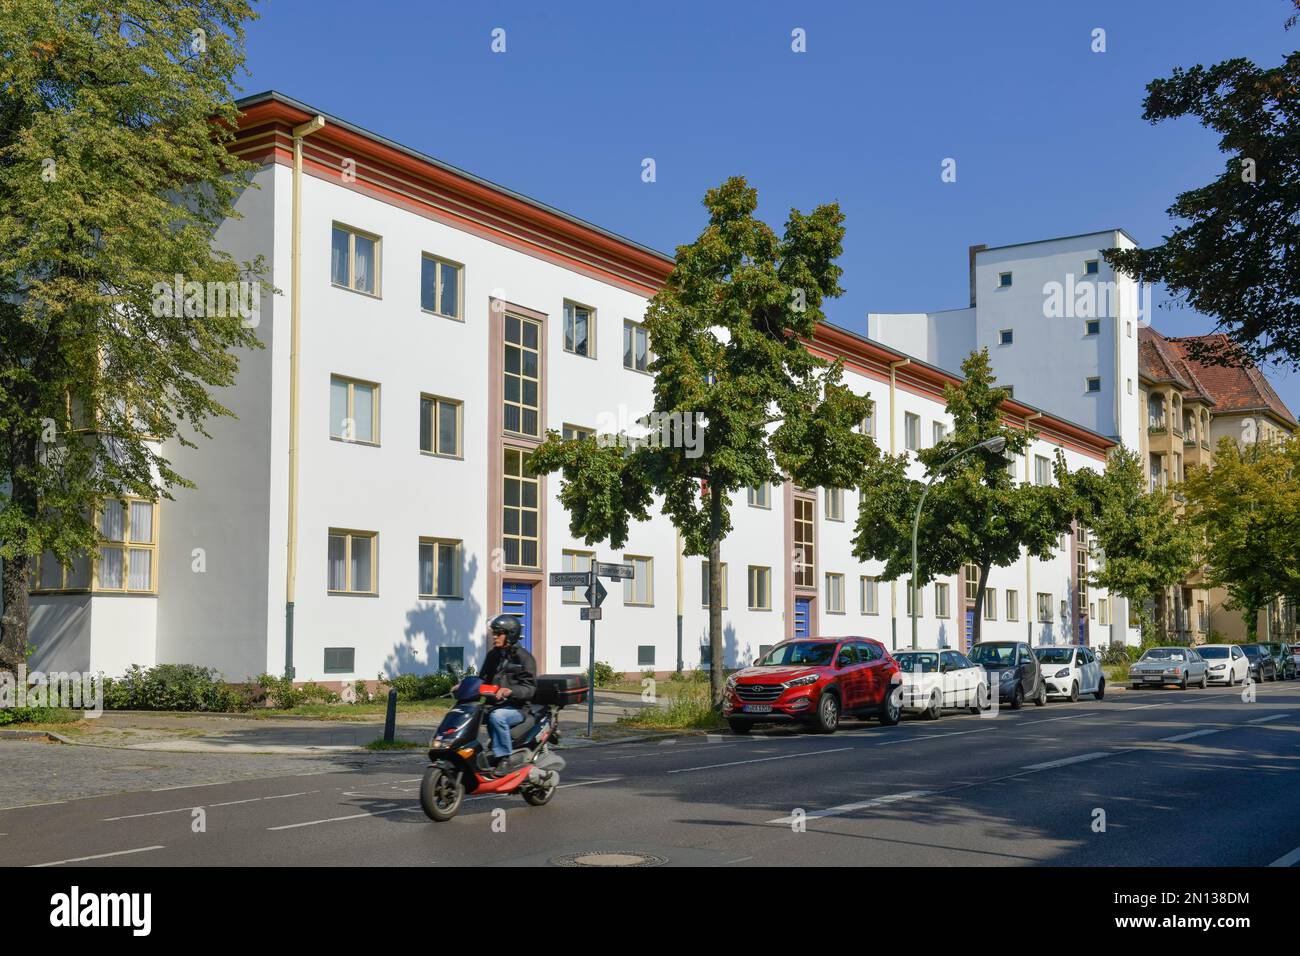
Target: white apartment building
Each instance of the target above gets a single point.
(370, 508)
(1061, 328)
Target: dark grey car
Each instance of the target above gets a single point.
(1013, 669)
(1169, 665)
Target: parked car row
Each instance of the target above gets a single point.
(1228, 664)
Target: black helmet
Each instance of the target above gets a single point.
(508, 625)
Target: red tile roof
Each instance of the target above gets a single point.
(1239, 387)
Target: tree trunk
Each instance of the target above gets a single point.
(14, 578)
(1252, 625)
(715, 594)
(979, 603)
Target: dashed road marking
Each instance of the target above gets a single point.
(1067, 761)
(1178, 738)
(851, 807)
(737, 763)
(100, 856)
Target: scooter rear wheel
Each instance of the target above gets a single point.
(441, 794)
(541, 796)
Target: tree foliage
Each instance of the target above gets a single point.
(728, 331)
(114, 176)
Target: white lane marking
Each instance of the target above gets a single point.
(665, 743)
(25, 806)
(99, 856)
(229, 803)
(1178, 738)
(1291, 859)
(183, 786)
(738, 860)
(713, 738)
(1065, 762)
(850, 807)
(737, 763)
(908, 740)
(587, 783)
(350, 816)
(1265, 720)
(1048, 720)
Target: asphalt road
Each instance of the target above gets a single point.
(1182, 778)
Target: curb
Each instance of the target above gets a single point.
(47, 735)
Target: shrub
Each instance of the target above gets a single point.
(173, 687)
(419, 686)
(605, 674)
(37, 715)
(280, 691)
(689, 710)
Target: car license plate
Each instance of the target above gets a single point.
(758, 708)
(1155, 680)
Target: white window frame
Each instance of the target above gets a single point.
(435, 427)
(640, 562)
(437, 545)
(834, 593)
(759, 575)
(869, 585)
(632, 329)
(348, 534)
(459, 268)
(570, 318)
(351, 384)
(352, 233)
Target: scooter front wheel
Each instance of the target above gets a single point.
(441, 794)
(541, 796)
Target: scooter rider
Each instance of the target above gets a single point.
(513, 669)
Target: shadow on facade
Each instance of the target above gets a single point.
(430, 625)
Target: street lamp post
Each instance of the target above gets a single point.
(996, 444)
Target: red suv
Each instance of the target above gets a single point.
(816, 681)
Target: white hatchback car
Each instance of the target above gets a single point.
(1226, 663)
(934, 678)
(1070, 670)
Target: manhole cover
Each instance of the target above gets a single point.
(609, 858)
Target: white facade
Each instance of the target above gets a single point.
(221, 587)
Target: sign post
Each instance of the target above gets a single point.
(595, 595)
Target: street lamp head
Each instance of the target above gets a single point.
(995, 444)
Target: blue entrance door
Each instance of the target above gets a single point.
(517, 599)
(802, 614)
(970, 624)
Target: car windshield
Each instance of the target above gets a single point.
(1165, 654)
(1214, 653)
(1055, 655)
(917, 663)
(1003, 654)
(811, 653)
(1254, 650)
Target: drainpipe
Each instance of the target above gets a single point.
(295, 322)
(1029, 560)
(680, 576)
(893, 585)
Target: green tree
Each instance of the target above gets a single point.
(1233, 253)
(113, 179)
(728, 331)
(976, 511)
(1247, 511)
(1145, 545)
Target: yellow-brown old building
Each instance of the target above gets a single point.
(1189, 405)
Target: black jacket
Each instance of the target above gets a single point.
(522, 681)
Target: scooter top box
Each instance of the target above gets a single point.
(561, 689)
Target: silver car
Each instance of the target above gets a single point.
(1168, 665)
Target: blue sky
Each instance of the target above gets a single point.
(1047, 135)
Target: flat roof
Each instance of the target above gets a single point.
(1077, 235)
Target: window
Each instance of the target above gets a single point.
(449, 657)
(1013, 605)
(1009, 389)
(1094, 384)
(1092, 611)
(920, 611)
(869, 594)
(1129, 329)
(1092, 327)
(1130, 386)
(440, 426)
(439, 568)
(704, 583)
(340, 660)
(49, 575)
(1004, 280)
(519, 511)
(938, 431)
(1044, 608)
(911, 431)
(805, 565)
(940, 599)
(834, 504)
(761, 496)
(128, 553)
(440, 287)
(760, 588)
(868, 424)
(571, 561)
(354, 410)
(570, 655)
(645, 655)
(1103, 611)
(522, 375)
(579, 330)
(350, 562)
(354, 260)
(636, 347)
(834, 594)
(577, 433)
(1090, 267)
(990, 604)
(1006, 337)
(971, 575)
(1042, 470)
(639, 590)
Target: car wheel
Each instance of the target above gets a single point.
(740, 726)
(981, 699)
(1074, 692)
(1232, 678)
(1101, 689)
(1204, 680)
(1183, 685)
(1017, 698)
(935, 710)
(828, 713)
(1041, 699)
(891, 709)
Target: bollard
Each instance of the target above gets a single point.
(390, 719)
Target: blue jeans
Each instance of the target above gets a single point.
(500, 721)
